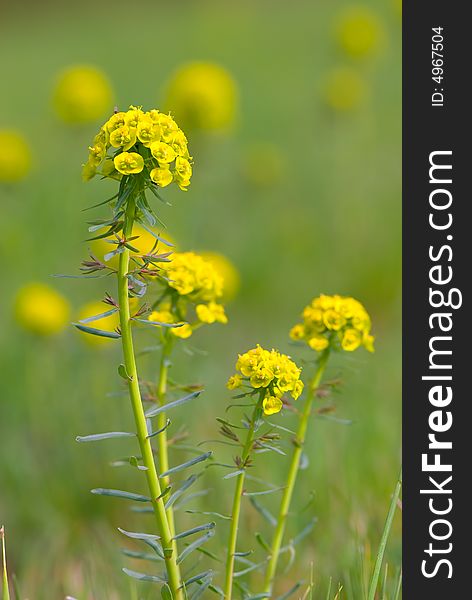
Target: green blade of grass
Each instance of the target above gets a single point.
(383, 541)
(5, 588)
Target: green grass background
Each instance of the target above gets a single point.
(331, 224)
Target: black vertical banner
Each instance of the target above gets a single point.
(437, 235)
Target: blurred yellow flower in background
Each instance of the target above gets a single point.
(359, 32)
(344, 89)
(40, 309)
(82, 94)
(227, 271)
(109, 323)
(263, 164)
(203, 96)
(15, 156)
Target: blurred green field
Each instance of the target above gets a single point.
(326, 221)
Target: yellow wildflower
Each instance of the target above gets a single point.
(234, 382)
(82, 94)
(351, 340)
(337, 321)
(271, 371)
(193, 276)
(138, 130)
(123, 137)
(227, 271)
(41, 309)
(15, 157)
(203, 95)
(129, 162)
(272, 405)
(161, 176)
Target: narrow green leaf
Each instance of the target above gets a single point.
(384, 539)
(100, 203)
(253, 567)
(290, 592)
(122, 372)
(5, 587)
(138, 535)
(158, 323)
(95, 437)
(140, 555)
(264, 492)
(209, 514)
(194, 545)
(165, 407)
(143, 576)
(102, 315)
(158, 237)
(194, 530)
(154, 433)
(204, 584)
(164, 493)
(181, 490)
(233, 474)
(186, 465)
(120, 494)
(263, 511)
(166, 593)
(262, 542)
(100, 332)
(398, 586)
(198, 577)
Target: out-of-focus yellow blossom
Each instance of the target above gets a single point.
(344, 89)
(128, 163)
(359, 32)
(151, 143)
(203, 95)
(192, 297)
(227, 271)
(41, 309)
(15, 157)
(271, 371)
(263, 164)
(82, 94)
(193, 276)
(164, 315)
(109, 323)
(211, 313)
(336, 321)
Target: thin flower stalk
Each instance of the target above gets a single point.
(154, 484)
(162, 440)
(237, 498)
(292, 474)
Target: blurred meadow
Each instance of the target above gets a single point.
(297, 182)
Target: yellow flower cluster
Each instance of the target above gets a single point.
(149, 142)
(336, 321)
(196, 281)
(269, 370)
(359, 32)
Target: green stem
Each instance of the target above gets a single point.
(238, 492)
(152, 477)
(292, 475)
(383, 542)
(162, 419)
